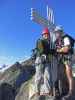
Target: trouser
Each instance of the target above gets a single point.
(46, 75)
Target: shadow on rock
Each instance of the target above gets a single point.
(7, 92)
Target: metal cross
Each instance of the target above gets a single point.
(49, 23)
(46, 22)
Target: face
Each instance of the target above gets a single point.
(45, 36)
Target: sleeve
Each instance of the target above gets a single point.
(40, 47)
(66, 41)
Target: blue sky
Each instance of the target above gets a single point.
(18, 33)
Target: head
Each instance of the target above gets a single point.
(45, 33)
(58, 31)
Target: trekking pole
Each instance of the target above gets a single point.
(50, 16)
(52, 64)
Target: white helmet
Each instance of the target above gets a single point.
(58, 28)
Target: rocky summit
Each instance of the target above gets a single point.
(15, 82)
(14, 78)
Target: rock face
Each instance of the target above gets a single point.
(12, 79)
(7, 92)
(15, 82)
(23, 93)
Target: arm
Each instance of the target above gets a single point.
(39, 47)
(64, 49)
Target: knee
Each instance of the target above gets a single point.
(38, 79)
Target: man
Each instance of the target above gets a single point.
(41, 64)
(64, 48)
(46, 65)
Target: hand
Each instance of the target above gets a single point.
(58, 50)
(43, 58)
(58, 47)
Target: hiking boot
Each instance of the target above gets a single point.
(46, 97)
(68, 96)
(57, 95)
(57, 98)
